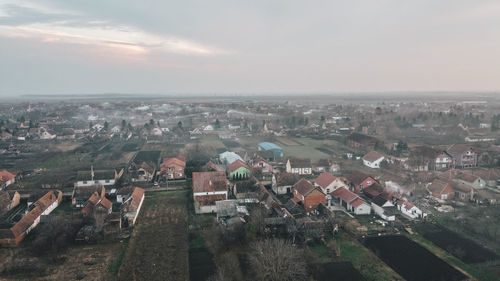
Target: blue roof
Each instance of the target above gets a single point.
(269, 146)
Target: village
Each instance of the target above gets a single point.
(221, 189)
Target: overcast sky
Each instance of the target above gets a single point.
(122, 46)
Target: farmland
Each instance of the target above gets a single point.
(394, 250)
(158, 247)
(466, 250)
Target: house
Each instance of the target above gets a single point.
(124, 193)
(262, 166)
(491, 176)
(308, 194)
(487, 196)
(248, 191)
(373, 190)
(329, 182)
(132, 206)
(350, 201)
(269, 146)
(383, 207)
(142, 172)
(373, 159)
(441, 189)
(97, 203)
(143, 167)
(98, 177)
(443, 161)
(42, 207)
(239, 170)
(282, 183)
(209, 187)
(173, 168)
(462, 191)
(81, 194)
(300, 166)
(229, 157)
(359, 181)
(463, 155)
(321, 166)
(410, 210)
(8, 200)
(422, 158)
(472, 180)
(7, 178)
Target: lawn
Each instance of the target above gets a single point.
(158, 248)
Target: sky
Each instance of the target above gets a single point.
(72, 47)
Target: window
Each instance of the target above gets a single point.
(179, 169)
(179, 174)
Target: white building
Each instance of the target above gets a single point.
(373, 159)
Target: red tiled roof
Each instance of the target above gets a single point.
(6, 175)
(304, 187)
(358, 202)
(325, 179)
(237, 164)
(136, 199)
(177, 161)
(209, 181)
(39, 207)
(344, 194)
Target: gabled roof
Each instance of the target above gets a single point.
(380, 200)
(269, 146)
(357, 177)
(36, 211)
(325, 179)
(438, 186)
(230, 157)
(236, 165)
(173, 161)
(299, 162)
(304, 187)
(6, 175)
(344, 194)
(86, 191)
(358, 202)
(285, 179)
(373, 190)
(459, 148)
(372, 156)
(209, 181)
(133, 204)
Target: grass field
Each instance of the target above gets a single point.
(158, 248)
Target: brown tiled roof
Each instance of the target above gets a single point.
(372, 156)
(125, 190)
(209, 200)
(284, 179)
(357, 177)
(237, 164)
(344, 194)
(299, 162)
(85, 192)
(459, 148)
(325, 179)
(209, 181)
(373, 190)
(438, 186)
(5, 200)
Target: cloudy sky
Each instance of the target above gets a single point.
(269, 46)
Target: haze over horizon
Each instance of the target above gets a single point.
(54, 47)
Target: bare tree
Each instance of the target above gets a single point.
(278, 260)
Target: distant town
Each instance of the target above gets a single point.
(244, 188)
